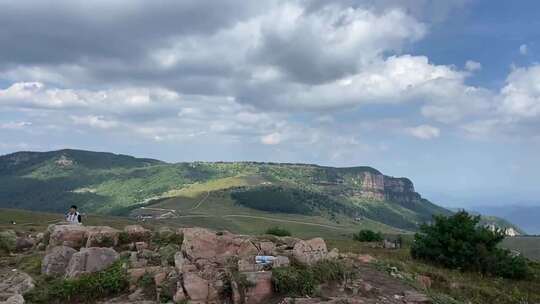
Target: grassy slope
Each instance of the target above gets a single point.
(114, 184)
(465, 287)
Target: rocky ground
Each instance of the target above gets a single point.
(196, 265)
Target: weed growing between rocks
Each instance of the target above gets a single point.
(85, 289)
(300, 280)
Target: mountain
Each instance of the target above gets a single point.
(526, 216)
(107, 183)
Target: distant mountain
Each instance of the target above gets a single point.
(116, 184)
(525, 216)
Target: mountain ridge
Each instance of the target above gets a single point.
(109, 183)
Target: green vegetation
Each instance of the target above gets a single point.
(458, 242)
(301, 280)
(366, 235)
(278, 231)
(85, 289)
(112, 184)
(8, 240)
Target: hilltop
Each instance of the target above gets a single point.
(238, 196)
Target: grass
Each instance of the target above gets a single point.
(529, 246)
(38, 221)
(466, 287)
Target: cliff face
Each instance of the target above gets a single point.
(376, 186)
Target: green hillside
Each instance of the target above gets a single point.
(107, 183)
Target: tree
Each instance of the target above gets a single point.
(458, 242)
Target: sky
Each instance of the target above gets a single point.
(446, 93)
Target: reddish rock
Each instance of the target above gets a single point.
(73, 236)
(424, 281)
(90, 260)
(56, 260)
(137, 233)
(311, 251)
(261, 290)
(196, 287)
(101, 236)
(366, 258)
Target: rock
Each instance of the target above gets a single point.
(333, 254)
(8, 240)
(101, 236)
(311, 251)
(199, 243)
(73, 236)
(15, 282)
(424, 281)
(413, 297)
(90, 260)
(140, 246)
(56, 260)
(15, 299)
(137, 295)
(267, 248)
(137, 233)
(261, 289)
(23, 243)
(281, 261)
(365, 258)
(179, 296)
(195, 287)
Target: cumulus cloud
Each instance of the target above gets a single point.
(472, 66)
(271, 139)
(94, 121)
(521, 94)
(424, 132)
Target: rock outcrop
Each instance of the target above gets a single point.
(90, 260)
(57, 260)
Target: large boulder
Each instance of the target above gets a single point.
(73, 236)
(137, 233)
(56, 260)
(311, 251)
(24, 243)
(90, 260)
(199, 243)
(14, 283)
(196, 287)
(101, 236)
(260, 289)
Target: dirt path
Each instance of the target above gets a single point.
(200, 202)
(285, 221)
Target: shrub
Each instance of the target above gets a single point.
(458, 242)
(278, 231)
(8, 240)
(367, 235)
(300, 280)
(87, 288)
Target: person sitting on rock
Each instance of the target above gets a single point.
(73, 217)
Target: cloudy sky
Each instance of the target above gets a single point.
(444, 92)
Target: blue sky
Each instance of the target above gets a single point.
(446, 93)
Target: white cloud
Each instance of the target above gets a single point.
(473, 66)
(424, 132)
(521, 94)
(271, 139)
(15, 125)
(523, 49)
(94, 121)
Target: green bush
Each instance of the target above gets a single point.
(85, 289)
(8, 240)
(367, 235)
(278, 231)
(458, 242)
(300, 280)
